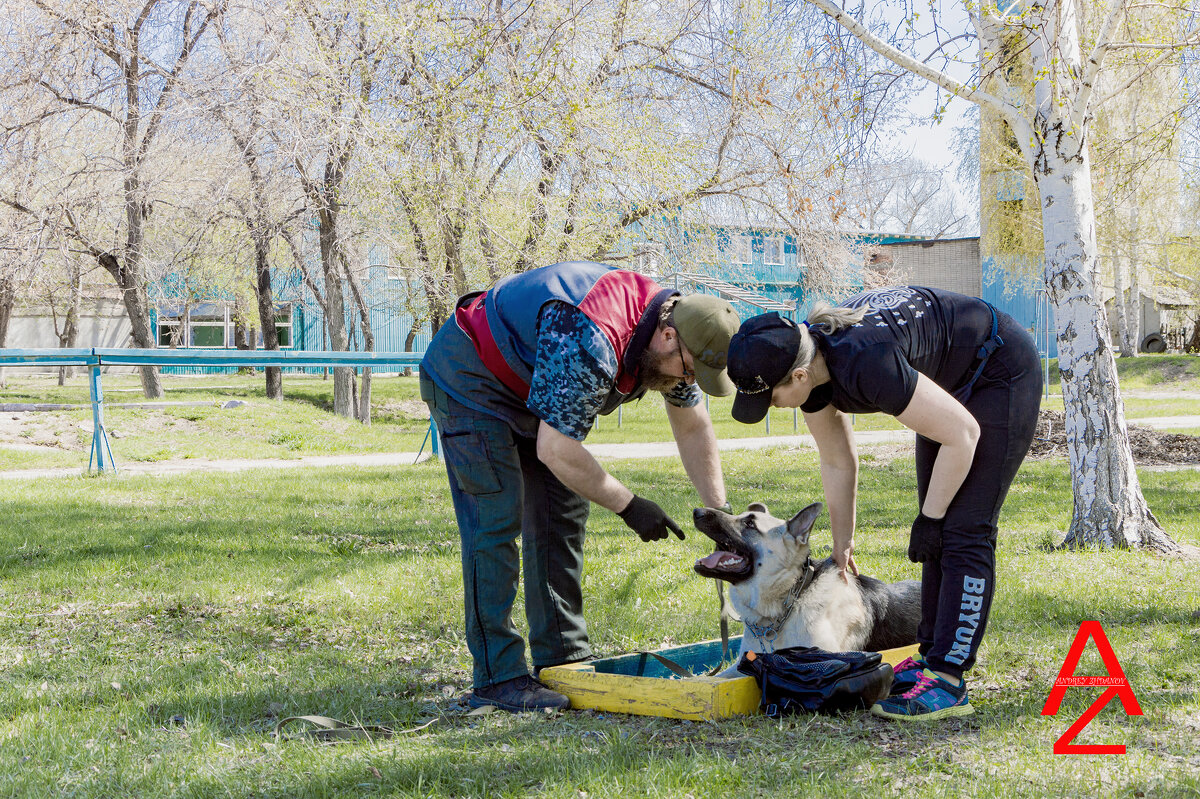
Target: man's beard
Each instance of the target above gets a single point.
(651, 374)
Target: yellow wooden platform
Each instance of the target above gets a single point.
(638, 684)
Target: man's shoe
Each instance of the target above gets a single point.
(906, 675)
(517, 695)
(932, 698)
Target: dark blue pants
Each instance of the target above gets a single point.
(956, 591)
(501, 492)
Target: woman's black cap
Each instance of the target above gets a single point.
(761, 354)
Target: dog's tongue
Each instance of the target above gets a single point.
(720, 560)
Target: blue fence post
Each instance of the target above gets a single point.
(101, 454)
(435, 447)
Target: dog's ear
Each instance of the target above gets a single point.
(757, 507)
(801, 524)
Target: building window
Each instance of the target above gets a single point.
(773, 250)
(209, 325)
(208, 330)
(170, 332)
(283, 324)
(739, 250)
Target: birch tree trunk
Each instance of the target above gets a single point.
(1124, 340)
(1109, 507)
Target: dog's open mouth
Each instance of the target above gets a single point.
(722, 565)
(733, 560)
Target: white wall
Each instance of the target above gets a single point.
(102, 323)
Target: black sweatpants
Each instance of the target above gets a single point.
(956, 591)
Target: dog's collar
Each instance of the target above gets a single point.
(768, 630)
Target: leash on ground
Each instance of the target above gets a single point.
(725, 655)
(329, 729)
(682, 672)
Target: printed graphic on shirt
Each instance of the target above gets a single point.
(871, 363)
(902, 304)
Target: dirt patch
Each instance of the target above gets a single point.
(37, 430)
(1150, 447)
(883, 454)
(414, 409)
(1172, 372)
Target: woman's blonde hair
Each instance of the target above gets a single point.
(832, 318)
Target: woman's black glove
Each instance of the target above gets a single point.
(925, 543)
(648, 520)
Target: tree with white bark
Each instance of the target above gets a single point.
(1053, 134)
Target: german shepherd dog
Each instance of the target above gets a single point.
(785, 598)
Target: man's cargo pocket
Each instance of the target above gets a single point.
(468, 456)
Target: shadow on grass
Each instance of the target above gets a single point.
(44, 542)
(321, 399)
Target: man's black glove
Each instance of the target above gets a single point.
(925, 543)
(648, 520)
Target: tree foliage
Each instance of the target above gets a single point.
(1045, 72)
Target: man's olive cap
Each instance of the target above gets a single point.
(705, 324)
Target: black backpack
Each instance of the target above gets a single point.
(804, 679)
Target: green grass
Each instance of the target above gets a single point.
(155, 629)
(1173, 372)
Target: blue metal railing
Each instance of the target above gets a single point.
(96, 358)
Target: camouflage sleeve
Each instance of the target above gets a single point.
(683, 395)
(573, 371)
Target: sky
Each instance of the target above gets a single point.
(933, 142)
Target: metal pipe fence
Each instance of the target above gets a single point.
(94, 359)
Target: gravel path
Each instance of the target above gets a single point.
(614, 451)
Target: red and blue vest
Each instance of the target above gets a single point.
(502, 321)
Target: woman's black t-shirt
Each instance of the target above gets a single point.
(873, 365)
